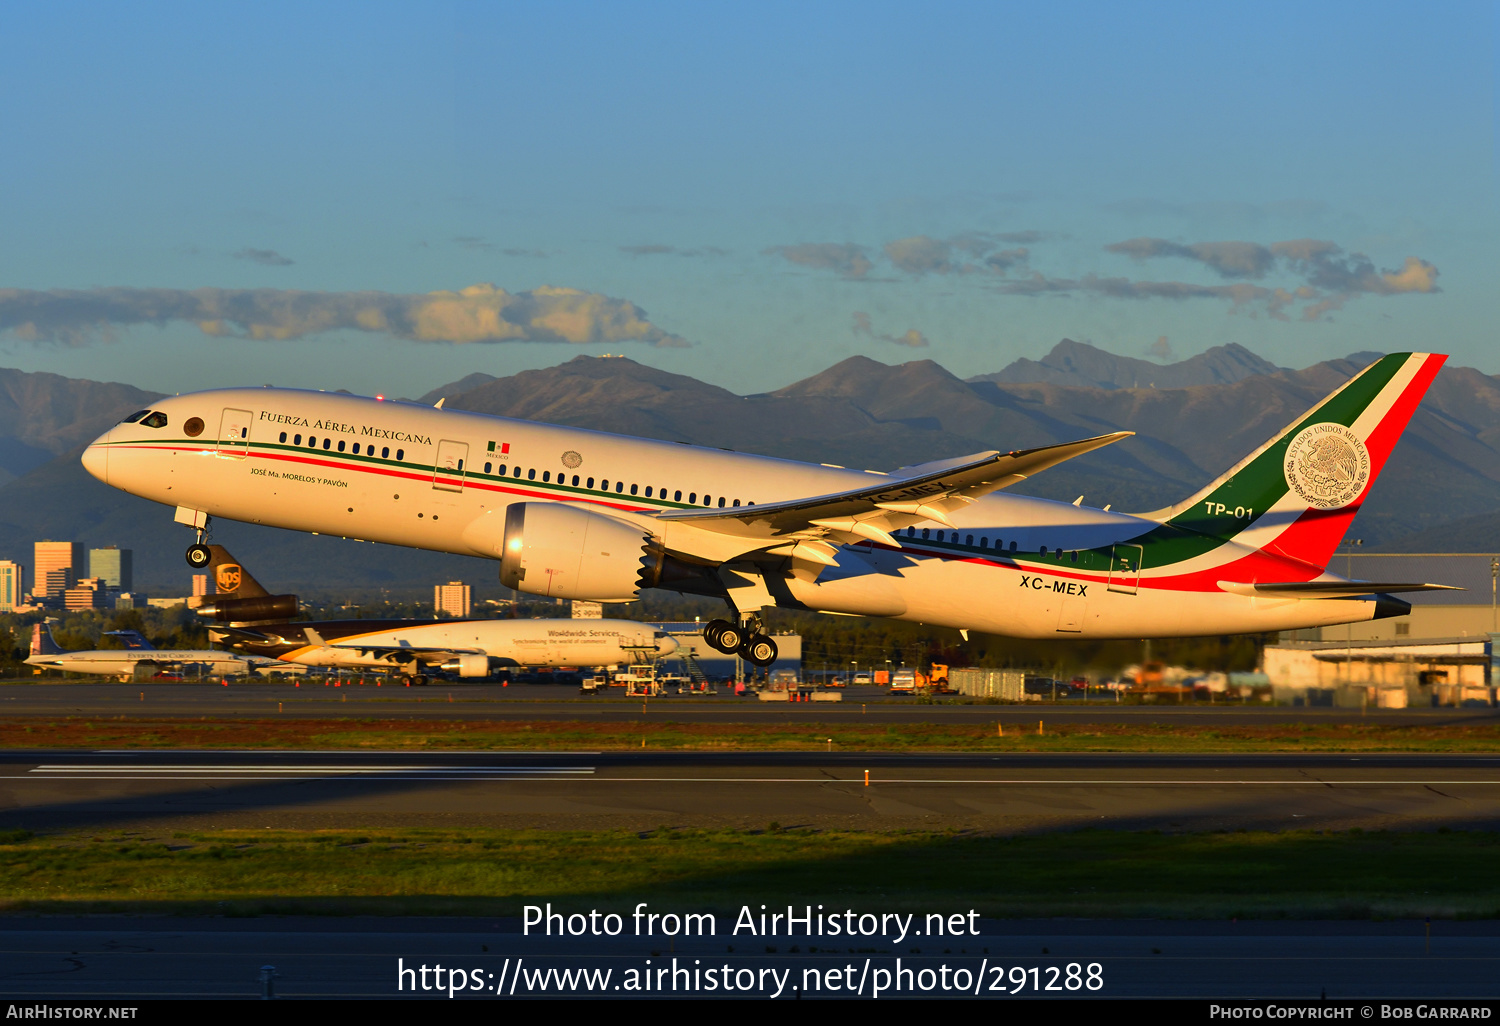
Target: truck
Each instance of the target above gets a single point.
(904, 681)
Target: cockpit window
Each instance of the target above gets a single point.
(156, 420)
(137, 415)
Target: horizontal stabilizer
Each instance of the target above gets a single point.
(1326, 589)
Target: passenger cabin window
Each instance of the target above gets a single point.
(693, 498)
(721, 502)
(283, 436)
(984, 543)
(356, 448)
(487, 468)
(926, 533)
(619, 486)
(155, 420)
(400, 454)
(575, 480)
(589, 483)
(632, 489)
(385, 452)
(736, 502)
(531, 475)
(296, 439)
(137, 415)
(1057, 553)
(648, 491)
(312, 443)
(1012, 546)
(547, 475)
(676, 496)
(328, 443)
(969, 540)
(603, 484)
(341, 445)
(1074, 555)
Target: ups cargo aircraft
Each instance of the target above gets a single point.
(469, 648)
(587, 515)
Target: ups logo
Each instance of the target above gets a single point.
(228, 576)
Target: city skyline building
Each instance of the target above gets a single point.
(115, 565)
(12, 585)
(51, 558)
(453, 598)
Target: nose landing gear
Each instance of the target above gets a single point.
(198, 556)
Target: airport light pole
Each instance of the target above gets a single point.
(1494, 576)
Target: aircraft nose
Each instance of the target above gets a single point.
(665, 644)
(96, 458)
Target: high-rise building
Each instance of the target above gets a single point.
(12, 585)
(52, 557)
(86, 594)
(451, 598)
(114, 565)
(200, 586)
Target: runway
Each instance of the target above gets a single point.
(461, 701)
(150, 958)
(173, 790)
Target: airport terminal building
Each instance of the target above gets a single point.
(1441, 653)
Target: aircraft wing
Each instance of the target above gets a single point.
(406, 653)
(929, 491)
(1326, 589)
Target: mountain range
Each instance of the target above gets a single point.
(1193, 419)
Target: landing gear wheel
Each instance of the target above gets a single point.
(713, 634)
(420, 680)
(759, 650)
(405, 681)
(199, 556)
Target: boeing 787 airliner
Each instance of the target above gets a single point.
(583, 514)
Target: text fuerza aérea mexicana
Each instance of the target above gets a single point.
(340, 428)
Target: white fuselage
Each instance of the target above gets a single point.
(508, 643)
(407, 474)
(123, 662)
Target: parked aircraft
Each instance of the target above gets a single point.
(470, 648)
(583, 514)
(139, 657)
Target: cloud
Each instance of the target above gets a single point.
(479, 313)
(913, 338)
(1002, 261)
(1229, 259)
(525, 253)
(847, 259)
(472, 242)
(1330, 276)
(656, 250)
(269, 257)
(922, 254)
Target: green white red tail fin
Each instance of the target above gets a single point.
(1296, 495)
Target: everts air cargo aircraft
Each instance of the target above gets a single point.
(587, 515)
(470, 648)
(138, 660)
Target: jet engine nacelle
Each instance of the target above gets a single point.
(469, 665)
(558, 550)
(249, 610)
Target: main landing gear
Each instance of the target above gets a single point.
(737, 639)
(414, 680)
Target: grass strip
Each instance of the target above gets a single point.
(1091, 873)
(654, 733)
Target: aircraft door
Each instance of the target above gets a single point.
(1125, 569)
(448, 475)
(234, 433)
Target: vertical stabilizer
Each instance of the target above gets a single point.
(41, 640)
(230, 577)
(1296, 495)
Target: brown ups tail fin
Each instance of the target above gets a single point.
(230, 578)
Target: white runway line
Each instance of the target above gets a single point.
(335, 772)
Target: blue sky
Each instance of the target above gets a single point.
(195, 195)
